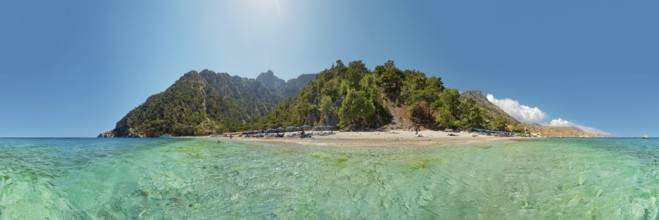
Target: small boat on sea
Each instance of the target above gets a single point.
(645, 137)
(166, 136)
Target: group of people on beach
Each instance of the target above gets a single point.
(301, 134)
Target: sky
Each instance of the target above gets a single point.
(73, 68)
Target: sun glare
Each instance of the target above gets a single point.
(265, 7)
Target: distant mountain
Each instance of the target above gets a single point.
(202, 103)
(549, 131)
(289, 88)
(293, 86)
(269, 80)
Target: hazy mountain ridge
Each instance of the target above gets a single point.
(269, 80)
(293, 86)
(287, 89)
(552, 131)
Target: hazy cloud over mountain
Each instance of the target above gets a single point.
(520, 112)
(529, 114)
(559, 122)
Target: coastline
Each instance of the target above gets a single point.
(394, 138)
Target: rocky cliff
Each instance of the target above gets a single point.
(269, 80)
(289, 88)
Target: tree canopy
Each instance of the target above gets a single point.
(352, 97)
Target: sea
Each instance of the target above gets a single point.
(88, 178)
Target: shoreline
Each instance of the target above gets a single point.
(394, 138)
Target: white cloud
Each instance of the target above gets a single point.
(520, 112)
(561, 123)
(565, 123)
(528, 114)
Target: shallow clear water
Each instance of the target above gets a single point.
(200, 179)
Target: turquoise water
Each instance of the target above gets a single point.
(200, 179)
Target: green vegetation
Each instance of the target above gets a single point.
(200, 104)
(350, 97)
(355, 98)
(346, 96)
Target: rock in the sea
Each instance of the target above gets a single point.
(107, 134)
(111, 134)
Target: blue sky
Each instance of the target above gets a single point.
(74, 68)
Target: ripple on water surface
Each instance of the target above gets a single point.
(196, 178)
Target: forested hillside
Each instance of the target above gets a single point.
(352, 97)
(202, 103)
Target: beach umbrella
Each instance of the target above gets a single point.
(317, 128)
(280, 129)
(291, 128)
(305, 127)
(330, 127)
(270, 130)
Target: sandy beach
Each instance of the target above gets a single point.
(394, 138)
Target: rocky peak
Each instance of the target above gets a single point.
(269, 80)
